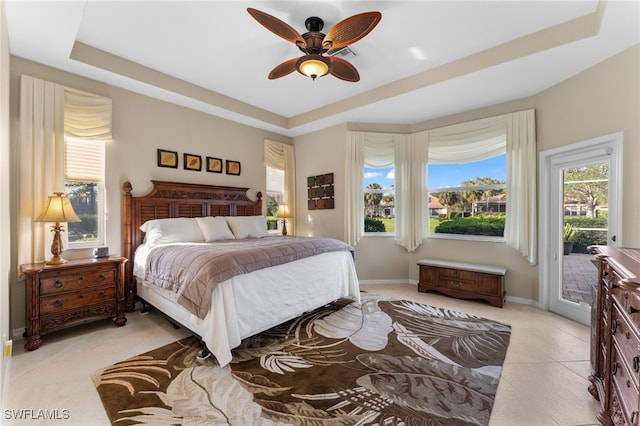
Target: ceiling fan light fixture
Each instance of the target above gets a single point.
(313, 66)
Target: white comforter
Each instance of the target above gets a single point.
(248, 304)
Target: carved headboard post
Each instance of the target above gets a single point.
(171, 200)
(127, 246)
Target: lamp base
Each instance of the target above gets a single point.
(56, 260)
(284, 227)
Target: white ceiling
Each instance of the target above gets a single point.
(424, 60)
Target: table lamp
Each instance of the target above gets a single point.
(283, 213)
(58, 209)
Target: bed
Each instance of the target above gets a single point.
(238, 305)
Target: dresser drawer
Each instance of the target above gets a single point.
(72, 300)
(624, 385)
(78, 280)
(627, 342)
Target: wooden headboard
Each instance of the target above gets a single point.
(175, 199)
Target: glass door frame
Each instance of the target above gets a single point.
(606, 148)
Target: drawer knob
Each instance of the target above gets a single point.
(57, 303)
(81, 278)
(636, 363)
(614, 326)
(614, 368)
(634, 418)
(631, 310)
(81, 296)
(102, 277)
(58, 284)
(102, 295)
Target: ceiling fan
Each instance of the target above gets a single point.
(315, 44)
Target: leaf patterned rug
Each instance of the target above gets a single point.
(384, 361)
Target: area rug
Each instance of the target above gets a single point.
(384, 361)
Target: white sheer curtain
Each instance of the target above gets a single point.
(354, 200)
(41, 154)
(408, 157)
(476, 140)
(521, 222)
(48, 113)
(412, 198)
(281, 156)
(470, 141)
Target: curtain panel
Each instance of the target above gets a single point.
(476, 140)
(281, 156)
(44, 110)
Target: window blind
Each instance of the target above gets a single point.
(84, 160)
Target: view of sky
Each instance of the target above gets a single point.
(442, 175)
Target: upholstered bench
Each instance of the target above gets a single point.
(463, 280)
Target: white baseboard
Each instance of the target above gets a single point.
(16, 334)
(387, 282)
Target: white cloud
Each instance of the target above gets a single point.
(391, 174)
(371, 175)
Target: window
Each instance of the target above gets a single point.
(468, 198)
(379, 199)
(275, 196)
(84, 186)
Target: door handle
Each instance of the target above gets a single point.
(613, 238)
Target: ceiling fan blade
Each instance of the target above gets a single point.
(351, 30)
(278, 27)
(343, 70)
(283, 69)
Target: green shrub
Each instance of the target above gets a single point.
(85, 230)
(373, 225)
(488, 225)
(583, 239)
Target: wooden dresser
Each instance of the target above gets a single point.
(60, 294)
(615, 336)
(463, 280)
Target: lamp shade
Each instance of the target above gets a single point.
(58, 209)
(283, 211)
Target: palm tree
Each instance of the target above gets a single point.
(371, 200)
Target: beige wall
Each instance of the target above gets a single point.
(141, 125)
(601, 100)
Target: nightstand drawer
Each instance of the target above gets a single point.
(81, 279)
(67, 301)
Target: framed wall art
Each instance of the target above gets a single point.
(320, 192)
(167, 158)
(192, 162)
(233, 167)
(214, 165)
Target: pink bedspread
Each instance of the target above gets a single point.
(193, 270)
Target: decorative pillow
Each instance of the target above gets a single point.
(174, 230)
(248, 226)
(214, 228)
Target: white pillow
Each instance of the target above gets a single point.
(248, 226)
(174, 230)
(214, 228)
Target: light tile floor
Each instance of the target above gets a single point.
(544, 380)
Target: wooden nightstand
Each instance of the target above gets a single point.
(60, 294)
